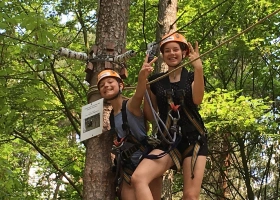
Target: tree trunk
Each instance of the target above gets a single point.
(225, 163)
(247, 177)
(110, 40)
(167, 15)
(166, 186)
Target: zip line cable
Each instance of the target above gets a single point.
(177, 20)
(202, 15)
(216, 47)
(220, 19)
(189, 23)
(131, 53)
(192, 21)
(50, 48)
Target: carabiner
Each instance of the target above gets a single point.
(117, 144)
(175, 120)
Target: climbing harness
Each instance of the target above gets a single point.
(201, 140)
(124, 148)
(172, 128)
(166, 135)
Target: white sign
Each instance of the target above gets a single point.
(92, 119)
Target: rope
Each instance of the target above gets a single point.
(183, 65)
(157, 120)
(221, 44)
(178, 30)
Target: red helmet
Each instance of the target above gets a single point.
(174, 37)
(108, 73)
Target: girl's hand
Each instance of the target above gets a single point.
(193, 54)
(146, 68)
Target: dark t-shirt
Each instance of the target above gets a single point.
(158, 88)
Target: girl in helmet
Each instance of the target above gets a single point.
(110, 86)
(174, 49)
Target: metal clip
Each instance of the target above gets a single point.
(117, 146)
(174, 129)
(175, 120)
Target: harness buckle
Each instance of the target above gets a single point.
(173, 129)
(168, 92)
(118, 144)
(201, 139)
(180, 93)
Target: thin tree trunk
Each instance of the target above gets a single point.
(225, 163)
(167, 15)
(247, 177)
(110, 39)
(166, 187)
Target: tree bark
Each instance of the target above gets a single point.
(247, 177)
(167, 15)
(110, 40)
(167, 185)
(225, 163)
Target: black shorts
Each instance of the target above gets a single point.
(187, 139)
(190, 138)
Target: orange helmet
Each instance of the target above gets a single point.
(174, 37)
(108, 73)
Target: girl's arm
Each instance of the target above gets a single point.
(198, 83)
(134, 103)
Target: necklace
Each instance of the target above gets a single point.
(174, 75)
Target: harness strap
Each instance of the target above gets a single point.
(168, 94)
(188, 150)
(177, 158)
(127, 173)
(202, 137)
(126, 153)
(124, 148)
(181, 93)
(117, 179)
(194, 157)
(125, 125)
(193, 120)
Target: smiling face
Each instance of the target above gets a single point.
(109, 87)
(172, 54)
